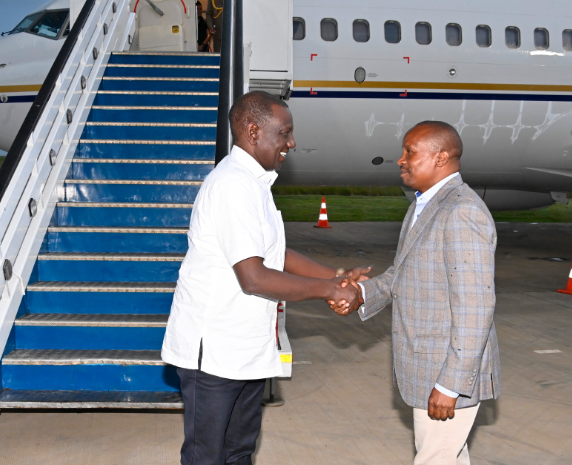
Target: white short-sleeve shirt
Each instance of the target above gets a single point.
(234, 218)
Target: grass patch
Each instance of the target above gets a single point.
(342, 208)
(394, 191)
(393, 208)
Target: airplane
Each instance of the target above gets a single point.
(365, 72)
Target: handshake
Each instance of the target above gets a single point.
(346, 296)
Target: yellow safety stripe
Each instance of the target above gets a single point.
(286, 358)
(434, 85)
(30, 88)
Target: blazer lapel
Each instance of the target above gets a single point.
(426, 215)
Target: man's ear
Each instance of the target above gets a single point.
(251, 133)
(442, 159)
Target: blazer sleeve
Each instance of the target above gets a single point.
(377, 294)
(470, 242)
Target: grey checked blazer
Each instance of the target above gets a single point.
(443, 292)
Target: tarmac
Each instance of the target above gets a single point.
(340, 404)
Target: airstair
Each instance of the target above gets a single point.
(96, 195)
(95, 310)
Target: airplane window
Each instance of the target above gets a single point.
(453, 34)
(567, 40)
(299, 29)
(329, 29)
(483, 35)
(26, 23)
(512, 37)
(361, 30)
(541, 38)
(392, 32)
(50, 24)
(423, 33)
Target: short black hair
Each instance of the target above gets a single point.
(254, 107)
(445, 137)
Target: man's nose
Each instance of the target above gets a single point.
(291, 142)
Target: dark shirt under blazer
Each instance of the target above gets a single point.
(443, 293)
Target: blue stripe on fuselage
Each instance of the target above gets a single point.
(20, 99)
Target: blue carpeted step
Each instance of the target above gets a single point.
(117, 240)
(138, 114)
(156, 99)
(130, 214)
(81, 267)
(174, 170)
(149, 131)
(162, 71)
(94, 190)
(144, 150)
(94, 370)
(160, 84)
(90, 332)
(165, 58)
(43, 298)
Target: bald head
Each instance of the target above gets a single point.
(442, 137)
(254, 107)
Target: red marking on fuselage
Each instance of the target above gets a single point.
(312, 56)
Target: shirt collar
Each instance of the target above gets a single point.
(248, 162)
(430, 193)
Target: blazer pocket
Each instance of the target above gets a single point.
(431, 344)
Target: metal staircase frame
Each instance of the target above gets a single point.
(38, 161)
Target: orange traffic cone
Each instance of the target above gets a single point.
(323, 218)
(568, 289)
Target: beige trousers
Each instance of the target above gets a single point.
(443, 442)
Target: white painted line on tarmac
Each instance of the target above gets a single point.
(301, 362)
(548, 351)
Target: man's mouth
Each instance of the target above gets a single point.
(283, 154)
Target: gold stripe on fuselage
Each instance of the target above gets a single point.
(28, 88)
(433, 85)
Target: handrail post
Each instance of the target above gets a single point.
(238, 51)
(225, 96)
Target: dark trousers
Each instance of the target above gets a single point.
(222, 418)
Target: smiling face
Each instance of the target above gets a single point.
(272, 141)
(422, 163)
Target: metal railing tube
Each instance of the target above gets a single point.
(225, 93)
(238, 52)
(16, 152)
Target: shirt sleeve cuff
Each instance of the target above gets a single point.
(362, 292)
(446, 391)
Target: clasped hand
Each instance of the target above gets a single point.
(347, 295)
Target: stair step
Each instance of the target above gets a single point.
(49, 331)
(113, 257)
(101, 320)
(11, 398)
(111, 149)
(99, 268)
(164, 71)
(83, 357)
(149, 98)
(160, 84)
(132, 169)
(125, 190)
(99, 370)
(149, 131)
(151, 114)
(70, 286)
(117, 214)
(117, 239)
(165, 58)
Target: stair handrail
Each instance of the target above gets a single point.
(231, 79)
(38, 161)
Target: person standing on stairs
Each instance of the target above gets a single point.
(214, 21)
(221, 331)
(203, 34)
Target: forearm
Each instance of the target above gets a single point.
(276, 285)
(300, 265)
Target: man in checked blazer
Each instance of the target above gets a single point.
(445, 350)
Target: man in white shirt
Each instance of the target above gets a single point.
(441, 284)
(221, 330)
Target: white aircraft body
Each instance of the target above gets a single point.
(367, 71)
